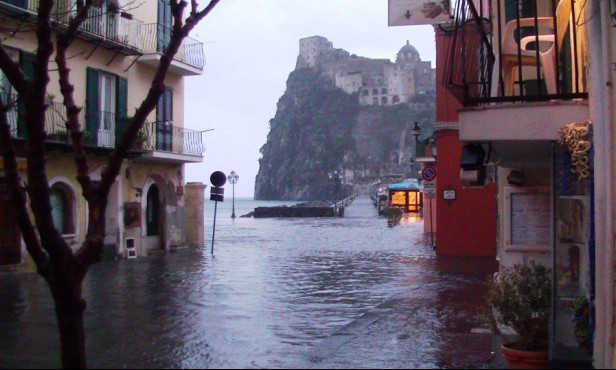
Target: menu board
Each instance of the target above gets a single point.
(530, 219)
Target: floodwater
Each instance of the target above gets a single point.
(275, 288)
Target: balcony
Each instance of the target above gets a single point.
(517, 51)
(189, 60)
(518, 68)
(157, 141)
(164, 142)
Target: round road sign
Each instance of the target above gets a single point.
(429, 173)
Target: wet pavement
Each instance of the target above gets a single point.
(317, 293)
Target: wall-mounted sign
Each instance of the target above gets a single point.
(430, 190)
(528, 219)
(419, 12)
(449, 194)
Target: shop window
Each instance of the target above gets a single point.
(62, 209)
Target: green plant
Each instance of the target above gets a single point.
(582, 322)
(519, 298)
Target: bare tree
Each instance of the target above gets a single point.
(63, 269)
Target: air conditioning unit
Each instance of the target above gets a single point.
(131, 252)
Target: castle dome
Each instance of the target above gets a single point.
(408, 53)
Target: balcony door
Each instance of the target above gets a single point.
(106, 124)
(165, 23)
(8, 95)
(164, 122)
(20, 3)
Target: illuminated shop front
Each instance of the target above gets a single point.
(406, 196)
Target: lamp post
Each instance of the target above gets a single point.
(233, 179)
(335, 177)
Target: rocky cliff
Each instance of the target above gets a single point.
(319, 129)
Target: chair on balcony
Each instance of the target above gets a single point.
(514, 53)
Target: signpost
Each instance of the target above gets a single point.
(429, 175)
(218, 180)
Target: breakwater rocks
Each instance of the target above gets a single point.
(303, 210)
(310, 209)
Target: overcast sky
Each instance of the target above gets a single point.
(251, 46)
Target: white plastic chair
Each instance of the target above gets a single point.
(511, 59)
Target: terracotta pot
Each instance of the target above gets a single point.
(518, 359)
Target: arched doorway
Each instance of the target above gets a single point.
(152, 212)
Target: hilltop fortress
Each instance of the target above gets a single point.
(377, 81)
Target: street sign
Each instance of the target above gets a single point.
(217, 194)
(430, 190)
(428, 173)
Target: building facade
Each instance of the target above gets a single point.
(533, 84)
(377, 81)
(112, 65)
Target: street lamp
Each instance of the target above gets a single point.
(335, 177)
(233, 179)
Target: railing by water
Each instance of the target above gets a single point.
(516, 51)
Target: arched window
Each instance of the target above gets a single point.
(375, 101)
(152, 212)
(375, 92)
(62, 209)
(384, 100)
(396, 99)
(384, 91)
(366, 93)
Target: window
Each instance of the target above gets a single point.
(384, 91)
(384, 101)
(8, 93)
(375, 92)
(164, 121)
(106, 103)
(165, 22)
(62, 208)
(375, 101)
(366, 93)
(152, 212)
(396, 99)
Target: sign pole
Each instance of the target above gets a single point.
(218, 180)
(431, 226)
(214, 231)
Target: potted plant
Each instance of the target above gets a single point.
(140, 140)
(519, 299)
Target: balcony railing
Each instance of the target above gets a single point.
(154, 38)
(103, 23)
(516, 51)
(163, 136)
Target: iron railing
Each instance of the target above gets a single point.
(515, 51)
(154, 38)
(164, 136)
(106, 22)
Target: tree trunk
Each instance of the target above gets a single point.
(70, 307)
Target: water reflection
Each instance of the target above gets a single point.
(275, 288)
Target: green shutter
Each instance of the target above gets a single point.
(121, 107)
(26, 62)
(92, 105)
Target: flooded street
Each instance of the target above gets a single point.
(275, 289)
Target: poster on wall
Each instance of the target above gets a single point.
(418, 12)
(529, 219)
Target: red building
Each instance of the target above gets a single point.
(466, 220)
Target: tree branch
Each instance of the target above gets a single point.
(18, 195)
(13, 72)
(35, 119)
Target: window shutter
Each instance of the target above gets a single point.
(26, 62)
(121, 107)
(168, 104)
(92, 105)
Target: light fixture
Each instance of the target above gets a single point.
(416, 131)
(408, 15)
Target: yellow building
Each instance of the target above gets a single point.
(112, 65)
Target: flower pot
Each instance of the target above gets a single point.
(519, 359)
